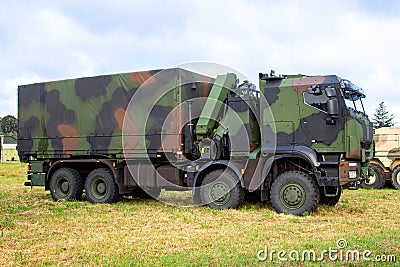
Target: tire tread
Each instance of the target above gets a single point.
(114, 193)
(76, 180)
(237, 190)
(310, 205)
(394, 176)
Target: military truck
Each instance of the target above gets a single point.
(298, 141)
(386, 163)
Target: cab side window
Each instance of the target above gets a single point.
(318, 101)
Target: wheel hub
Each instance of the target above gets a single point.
(372, 180)
(99, 188)
(292, 196)
(398, 178)
(219, 193)
(64, 186)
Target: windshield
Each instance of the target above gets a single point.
(353, 95)
(356, 105)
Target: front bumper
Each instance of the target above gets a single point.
(351, 174)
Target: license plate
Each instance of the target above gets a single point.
(352, 174)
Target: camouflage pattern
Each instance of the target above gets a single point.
(387, 147)
(148, 115)
(300, 121)
(387, 152)
(81, 117)
(240, 120)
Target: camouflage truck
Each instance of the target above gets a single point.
(386, 163)
(296, 142)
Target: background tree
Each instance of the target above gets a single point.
(382, 118)
(9, 125)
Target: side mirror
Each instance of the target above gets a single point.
(330, 92)
(333, 107)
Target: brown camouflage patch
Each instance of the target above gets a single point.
(67, 131)
(119, 115)
(301, 85)
(141, 77)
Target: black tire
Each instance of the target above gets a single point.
(295, 193)
(329, 201)
(146, 194)
(376, 181)
(221, 189)
(66, 183)
(396, 177)
(100, 187)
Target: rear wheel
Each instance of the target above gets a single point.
(295, 193)
(100, 186)
(66, 183)
(377, 180)
(221, 189)
(396, 177)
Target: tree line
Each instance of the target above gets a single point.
(9, 125)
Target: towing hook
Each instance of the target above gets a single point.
(357, 185)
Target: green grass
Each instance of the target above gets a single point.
(35, 231)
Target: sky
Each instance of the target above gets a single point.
(51, 40)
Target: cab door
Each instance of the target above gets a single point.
(321, 119)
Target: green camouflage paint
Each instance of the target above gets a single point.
(300, 118)
(145, 115)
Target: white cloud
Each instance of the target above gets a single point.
(63, 39)
(8, 98)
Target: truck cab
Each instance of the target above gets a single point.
(320, 131)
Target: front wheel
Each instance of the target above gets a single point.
(295, 193)
(396, 177)
(66, 183)
(100, 187)
(221, 189)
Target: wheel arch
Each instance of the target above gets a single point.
(378, 162)
(302, 162)
(394, 164)
(216, 165)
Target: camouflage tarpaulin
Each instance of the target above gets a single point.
(85, 116)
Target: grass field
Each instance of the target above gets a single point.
(35, 231)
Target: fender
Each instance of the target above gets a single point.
(303, 152)
(267, 167)
(307, 154)
(213, 165)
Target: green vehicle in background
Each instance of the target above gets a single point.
(298, 141)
